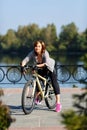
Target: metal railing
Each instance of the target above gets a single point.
(11, 74)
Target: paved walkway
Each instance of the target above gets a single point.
(41, 118)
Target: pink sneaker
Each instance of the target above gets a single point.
(58, 107)
(37, 102)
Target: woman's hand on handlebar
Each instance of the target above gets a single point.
(23, 70)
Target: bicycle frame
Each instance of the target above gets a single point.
(37, 80)
(46, 93)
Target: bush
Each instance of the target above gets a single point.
(5, 117)
(73, 121)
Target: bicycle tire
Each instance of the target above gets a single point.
(50, 98)
(28, 100)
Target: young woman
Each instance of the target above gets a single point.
(41, 56)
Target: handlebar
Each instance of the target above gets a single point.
(26, 67)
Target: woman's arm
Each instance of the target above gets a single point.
(27, 58)
(50, 62)
(41, 65)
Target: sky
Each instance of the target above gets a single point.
(15, 13)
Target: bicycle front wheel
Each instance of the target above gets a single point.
(50, 98)
(28, 97)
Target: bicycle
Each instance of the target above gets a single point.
(30, 89)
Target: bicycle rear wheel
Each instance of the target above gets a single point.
(28, 97)
(50, 98)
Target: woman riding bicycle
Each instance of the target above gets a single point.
(41, 57)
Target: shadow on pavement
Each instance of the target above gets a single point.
(17, 110)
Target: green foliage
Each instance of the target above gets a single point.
(84, 58)
(62, 46)
(69, 38)
(5, 117)
(51, 48)
(82, 41)
(77, 119)
(68, 32)
(73, 121)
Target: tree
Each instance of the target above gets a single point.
(10, 41)
(67, 35)
(68, 40)
(49, 35)
(82, 42)
(28, 34)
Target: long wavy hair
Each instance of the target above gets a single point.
(43, 46)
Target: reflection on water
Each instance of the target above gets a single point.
(9, 60)
(62, 58)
